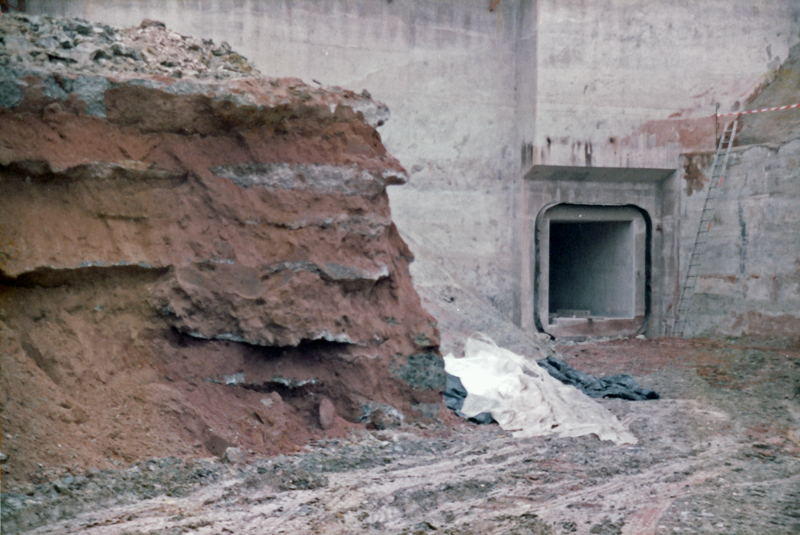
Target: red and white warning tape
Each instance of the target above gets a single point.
(759, 111)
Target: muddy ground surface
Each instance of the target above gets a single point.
(719, 453)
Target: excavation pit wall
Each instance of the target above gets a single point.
(749, 276)
(189, 265)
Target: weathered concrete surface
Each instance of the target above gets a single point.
(652, 191)
(750, 276)
(634, 84)
(623, 84)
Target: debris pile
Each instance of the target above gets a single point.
(192, 264)
(76, 45)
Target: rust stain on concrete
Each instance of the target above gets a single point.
(693, 165)
(693, 135)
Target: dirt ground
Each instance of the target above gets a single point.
(718, 453)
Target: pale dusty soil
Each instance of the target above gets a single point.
(719, 453)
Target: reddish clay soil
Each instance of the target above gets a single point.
(192, 264)
(639, 357)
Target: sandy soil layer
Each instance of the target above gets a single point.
(719, 453)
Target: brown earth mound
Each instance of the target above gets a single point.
(191, 264)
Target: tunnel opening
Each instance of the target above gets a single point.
(592, 270)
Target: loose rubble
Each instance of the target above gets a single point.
(70, 45)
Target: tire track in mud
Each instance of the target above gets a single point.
(386, 497)
(645, 522)
(648, 494)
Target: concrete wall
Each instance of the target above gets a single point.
(636, 83)
(749, 279)
(445, 68)
(633, 83)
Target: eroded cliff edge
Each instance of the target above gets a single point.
(193, 259)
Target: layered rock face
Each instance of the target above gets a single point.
(195, 260)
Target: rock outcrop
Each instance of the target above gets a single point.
(193, 256)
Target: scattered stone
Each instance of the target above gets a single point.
(234, 455)
(380, 416)
(293, 478)
(76, 44)
(149, 23)
(216, 445)
(607, 527)
(3, 457)
(327, 413)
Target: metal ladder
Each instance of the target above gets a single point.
(718, 167)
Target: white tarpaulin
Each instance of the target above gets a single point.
(523, 398)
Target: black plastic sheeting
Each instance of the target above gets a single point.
(612, 386)
(454, 395)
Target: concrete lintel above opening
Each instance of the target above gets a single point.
(557, 173)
